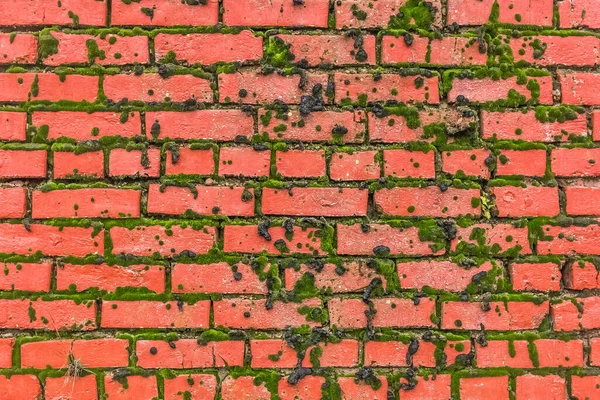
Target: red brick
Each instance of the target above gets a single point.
(316, 127)
(272, 353)
(525, 126)
(49, 240)
(496, 354)
(190, 161)
(312, 13)
(578, 87)
(13, 202)
(378, 13)
(261, 89)
(243, 387)
(123, 162)
(571, 239)
(356, 277)
(594, 355)
(165, 13)
(502, 237)
(210, 48)
(567, 316)
(578, 13)
(70, 165)
(477, 12)
(147, 240)
(188, 353)
(391, 312)
(48, 315)
(492, 387)
(309, 388)
(512, 315)
(487, 89)
(47, 12)
(155, 314)
(23, 163)
(80, 125)
(329, 49)
(94, 353)
(354, 166)
(576, 162)
(137, 387)
(395, 354)
(13, 125)
(531, 201)
(21, 49)
(580, 200)
(223, 125)
(352, 240)
(6, 351)
(442, 275)
(73, 49)
(216, 278)
(245, 239)
(28, 277)
(402, 163)
(394, 128)
(210, 200)
(110, 277)
(537, 387)
(427, 201)
(300, 163)
(435, 388)
(556, 353)
(328, 202)
(341, 354)
(154, 88)
(543, 277)
(585, 387)
(521, 162)
(199, 387)
(245, 313)
(351, 390)
(568, 50)
(244, 161)
(387, 87)
(453, 50)
(396, 50)
(470, 162)
(581, 275)
(50, 87)
(71, 388)
(71, 203)
(20, 387)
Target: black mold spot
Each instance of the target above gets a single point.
(263, 229)
(381, 250)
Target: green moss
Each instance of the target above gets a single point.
(277, 52)
(93, 51)
(413, 14)
(47, 44)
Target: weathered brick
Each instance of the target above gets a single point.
(331, 202)
(154, 88)
(209, 48)
(164, 13)
(19, 49)
(428, 201)
(112, 49)
(368, 87)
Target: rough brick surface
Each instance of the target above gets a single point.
(299, 199)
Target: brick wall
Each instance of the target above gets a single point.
(299, 199)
